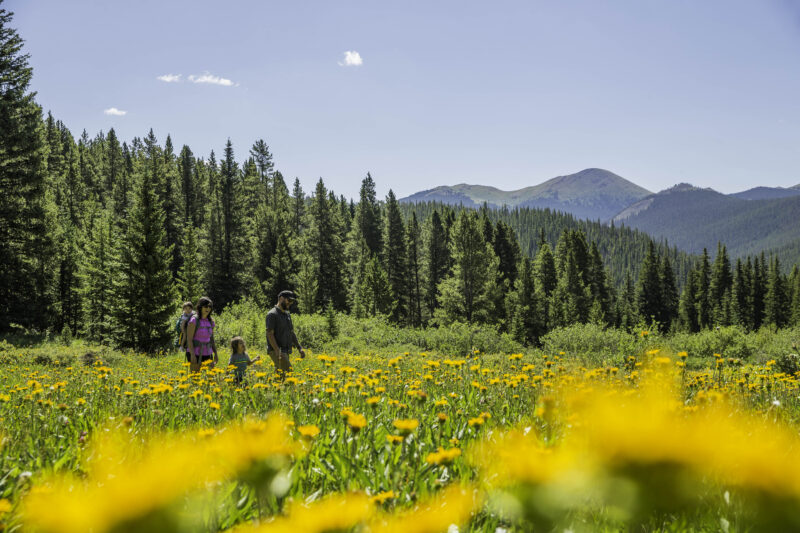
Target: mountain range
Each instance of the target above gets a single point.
(593, 194)
(691, 218)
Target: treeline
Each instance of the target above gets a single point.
(106, 238)
(622, 249)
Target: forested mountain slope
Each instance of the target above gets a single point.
(621, 248)
(693, 218)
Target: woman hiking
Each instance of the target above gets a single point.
(200, 332)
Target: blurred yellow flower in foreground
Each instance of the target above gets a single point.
(147, 479)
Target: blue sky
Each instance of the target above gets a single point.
(500, 93)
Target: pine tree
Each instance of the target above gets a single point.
(227, 235)
(570, 302)
(720, 286)
(436, 262)
(626, 304)
(688, 306)
(669, 294)
(741, 294)
(115, 166)
(795, 288)
(298, 208)
(27, 214)
(143, 289)
(375, 293)
(702, 296)
(97, 272)
(524, 310)
(265, 166)
(506, 248)
(776, 302)
(368, 216)
(280, 270)
(466, 294)
(190, 275)
(759, 290)
(602, 298)
(325, 247)
(544, 273)
(171, 200)
(649, 292)
(413, 236)
(395, 259)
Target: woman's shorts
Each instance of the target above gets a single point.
(201, 359)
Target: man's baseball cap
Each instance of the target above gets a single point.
(287, 294)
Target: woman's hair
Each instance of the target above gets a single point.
(235, 342)
(202, 302)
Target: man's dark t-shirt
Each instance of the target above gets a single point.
(281, 323)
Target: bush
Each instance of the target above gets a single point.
(730, 341)
(593, 343)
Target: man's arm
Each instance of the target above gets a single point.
(273, 342)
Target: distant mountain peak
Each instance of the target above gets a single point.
(592, 193)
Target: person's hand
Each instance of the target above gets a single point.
(302, 353)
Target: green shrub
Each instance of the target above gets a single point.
(592, 343)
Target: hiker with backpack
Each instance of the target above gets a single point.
(200, 336)
(180, 327)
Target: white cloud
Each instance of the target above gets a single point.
(114, 111)
(170, 78)
(351, 59)
(210, 78)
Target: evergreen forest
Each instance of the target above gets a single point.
(106, 237)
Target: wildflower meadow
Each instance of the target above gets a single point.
(397, 441)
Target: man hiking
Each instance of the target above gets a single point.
(280, 334)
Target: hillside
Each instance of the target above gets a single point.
(767, 193)
(593, 194)
(621, 248)
(693, 218)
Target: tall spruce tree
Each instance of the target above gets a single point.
(298, 208)
(395, 259)
(144, 294)
(649, 292)
(776, 302)
(669, 294)
(688, 307)
(741, 294)
(368, 216)
(702, 294)
(523, 308)
(324, 245)
(26, 212)
(265, 166)
(171, 200)
(190, 275)
(436, 263)
(795, 291)
(466, 294)
(413, 253)
(759, 290)
(280, 270)
(97, 271)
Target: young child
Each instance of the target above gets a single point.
(240, 359)
(183, 320)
